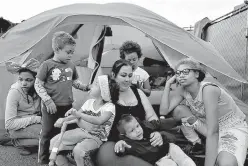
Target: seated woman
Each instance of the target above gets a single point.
(213, 113)
(131, 101)
(23, 105)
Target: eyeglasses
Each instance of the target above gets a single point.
(184, 72)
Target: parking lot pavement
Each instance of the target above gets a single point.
(9, 156)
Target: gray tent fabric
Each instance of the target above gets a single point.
(32, 38)
(25, 35)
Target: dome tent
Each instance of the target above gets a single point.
(88, 24)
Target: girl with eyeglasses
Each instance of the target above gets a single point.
(209, 110)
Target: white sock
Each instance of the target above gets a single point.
(178, 156)
(198, 125)
(190, 134)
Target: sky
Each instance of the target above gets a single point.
(183, 13)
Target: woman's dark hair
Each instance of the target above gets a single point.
(31, 91)
(129, 47)
(114, 90)
(202, 75)
(118, 65)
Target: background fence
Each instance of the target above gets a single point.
(229, 35)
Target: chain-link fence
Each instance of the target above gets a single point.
(228, 35)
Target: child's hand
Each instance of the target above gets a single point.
(191, 120)
(75, 113)
(59, 122)
(69, 112)
(51, 107)
(120, 146)
(139, 85)
(97, 129)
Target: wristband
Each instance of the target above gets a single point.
(55, 150)
(48, 102)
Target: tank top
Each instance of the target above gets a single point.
(233, 116)
(136, 111)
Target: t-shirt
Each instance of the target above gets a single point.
(58, 78)
(140, 75)
(88, 109)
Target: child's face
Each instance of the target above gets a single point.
(65, 54)
(133, 130)
(95, 90)
(133, 59)
(26, 80)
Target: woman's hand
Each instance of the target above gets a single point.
(156, 139)
(97, 129)
(172, 80)
(120, 146)
(59, 122)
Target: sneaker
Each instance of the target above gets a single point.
(24, 151)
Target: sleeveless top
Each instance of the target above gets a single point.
(234, 116)
(136, 111)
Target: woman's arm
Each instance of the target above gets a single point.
(150, 113)
(12, 122)
(170, 99)
(210, 99)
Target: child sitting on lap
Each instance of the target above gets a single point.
(135, 140)
(94, 112)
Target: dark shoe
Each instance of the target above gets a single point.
(196, 149)
(24, 151)
(5, 139)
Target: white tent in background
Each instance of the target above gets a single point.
(159, 38)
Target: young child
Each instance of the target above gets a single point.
(135, 140)
(131, 51)
(53, 84)
(97, 111)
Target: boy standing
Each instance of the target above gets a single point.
(53, 84)
(131, 51)
(135, 140)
